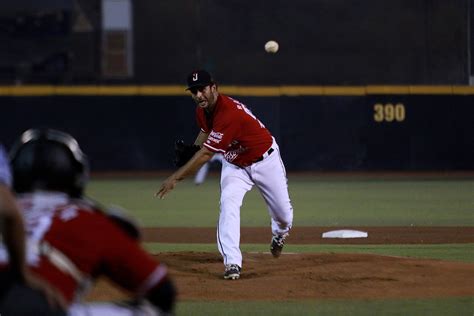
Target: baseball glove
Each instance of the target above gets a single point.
(183, 152)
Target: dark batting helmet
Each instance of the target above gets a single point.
(50, 160)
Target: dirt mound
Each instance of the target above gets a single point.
(311, 276)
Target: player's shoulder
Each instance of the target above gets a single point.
(87, 209)
(228, 100)
(229, 105)
(78, 214)
(56, 206)
(233, 103)
(78, 209)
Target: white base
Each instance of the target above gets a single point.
(345, 233)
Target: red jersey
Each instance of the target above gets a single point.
(85, 236)
(234, 131)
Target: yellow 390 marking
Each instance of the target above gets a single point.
(389, 112)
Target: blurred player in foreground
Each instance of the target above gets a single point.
(251, 157)
(18, 277)
(73, 240)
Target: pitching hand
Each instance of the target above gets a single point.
(166, 187)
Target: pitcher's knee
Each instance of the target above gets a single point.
(228, 200)
(284, 219)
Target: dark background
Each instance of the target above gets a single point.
(336, 42)
(322, 42)
(322, 133)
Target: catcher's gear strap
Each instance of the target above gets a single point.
(61, 261)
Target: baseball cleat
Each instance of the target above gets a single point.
(231, 272)
(276, 246)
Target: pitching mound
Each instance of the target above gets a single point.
(311, 276)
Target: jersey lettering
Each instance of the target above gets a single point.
(241, 106)
(215, 137)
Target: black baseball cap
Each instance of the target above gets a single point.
(199, 78)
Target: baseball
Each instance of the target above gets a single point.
(271, 47)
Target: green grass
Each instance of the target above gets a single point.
(316, 201)
(433, 307)
(382, 202)
(453, 252)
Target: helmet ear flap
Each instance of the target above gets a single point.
(46, 159)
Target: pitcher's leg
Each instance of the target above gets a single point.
(270, 177)
(234, 184)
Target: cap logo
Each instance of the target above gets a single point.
(195, 76)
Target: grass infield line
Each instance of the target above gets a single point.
(451, 252)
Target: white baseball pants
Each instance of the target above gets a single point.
(269, 176)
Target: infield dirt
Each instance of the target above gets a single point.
(198, 275)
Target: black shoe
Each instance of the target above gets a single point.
(276, 246)
(231, 272)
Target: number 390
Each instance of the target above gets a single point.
(389, 112)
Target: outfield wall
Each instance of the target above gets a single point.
(318, 128)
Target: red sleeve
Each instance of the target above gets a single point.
(129, 265)
(224, 131)
(99, 247)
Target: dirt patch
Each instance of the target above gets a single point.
(313, 235)
(198, 276)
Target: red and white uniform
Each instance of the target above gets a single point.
(71, 242)
(252, 157)
(235, 132)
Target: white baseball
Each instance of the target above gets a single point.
(271, 47)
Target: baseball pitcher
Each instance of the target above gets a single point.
(251, 157)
